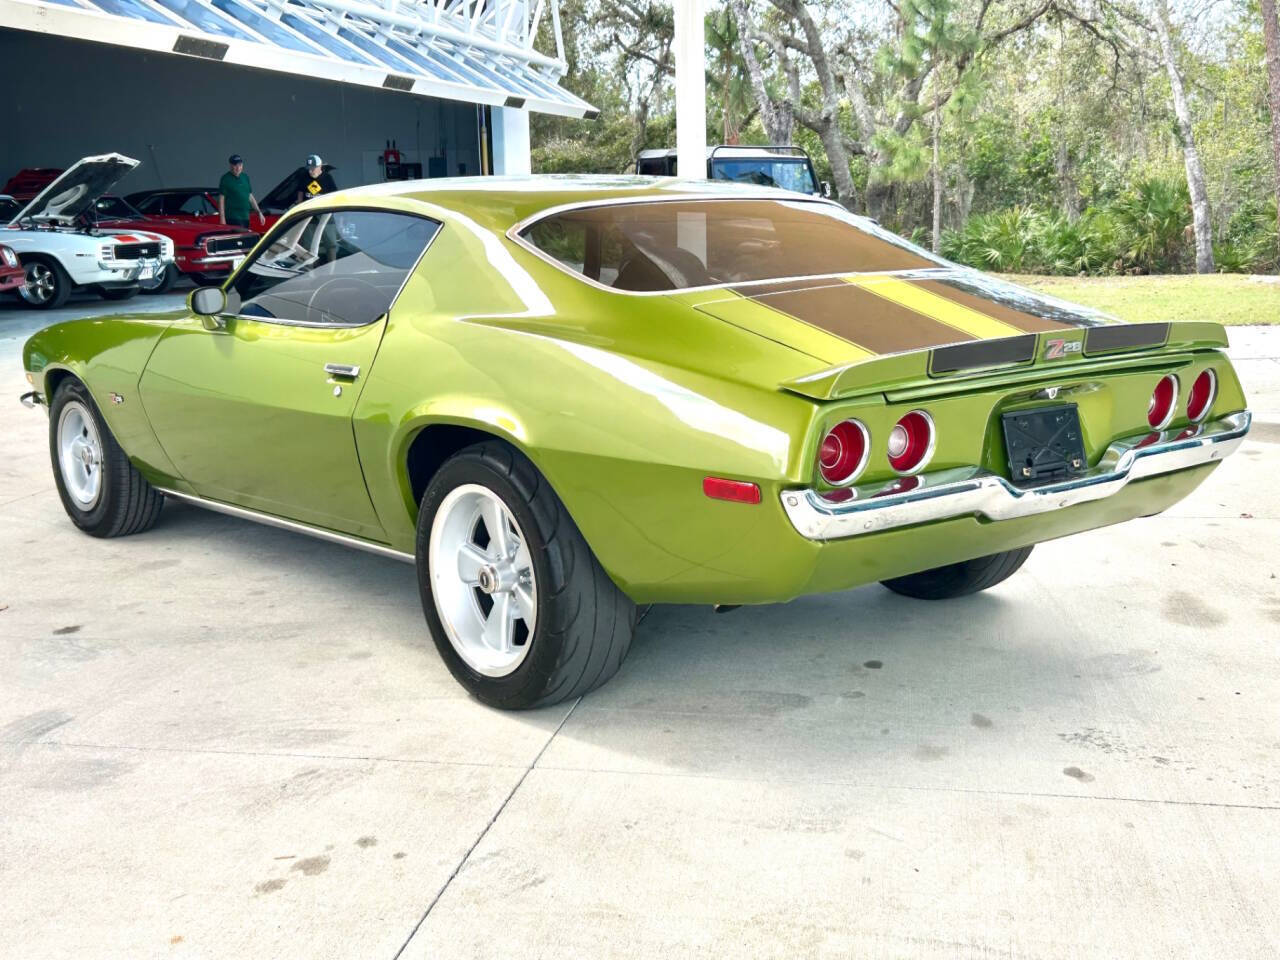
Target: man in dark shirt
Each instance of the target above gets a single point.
(235, 195)
(314, 180)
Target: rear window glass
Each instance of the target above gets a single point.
(673, 245)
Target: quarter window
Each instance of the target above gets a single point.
(341, 267)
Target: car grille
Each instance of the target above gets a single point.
(136, 251)
(231, 244)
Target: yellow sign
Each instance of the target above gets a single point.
(313, 188)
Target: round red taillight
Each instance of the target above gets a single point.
(911, 442)
(844, 452)
(1203, 392)
(1164, 398)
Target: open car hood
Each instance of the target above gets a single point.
(913, 330)
(76, 189)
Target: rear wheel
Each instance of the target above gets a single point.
(102, 492)
(47, 286)
(519, 608)
(960, 579)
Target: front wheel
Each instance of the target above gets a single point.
(960, 579)
(47, 286)
(164, 283)
(519, 608)
(102, 492)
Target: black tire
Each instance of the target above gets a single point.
(167, 280)
(584, 622)
(126, 503)
(47, 286)
(118, 293)
(960, 579)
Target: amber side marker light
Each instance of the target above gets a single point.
(735, 491)
(1203, 392)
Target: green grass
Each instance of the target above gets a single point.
(1230, 299)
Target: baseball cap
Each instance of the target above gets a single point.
(314, 160)
(235, 158)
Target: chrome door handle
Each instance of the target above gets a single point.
(342, 370)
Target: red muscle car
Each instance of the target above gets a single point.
(202, 250)
(200, 204)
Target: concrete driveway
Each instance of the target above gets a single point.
(221, 740)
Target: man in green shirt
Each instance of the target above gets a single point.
(235, 195)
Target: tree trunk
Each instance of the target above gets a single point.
(777, 117)
(1200, 214)
(1271, 31)
(937, 176)
(829, 132)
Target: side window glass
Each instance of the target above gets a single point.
(337, 267)
(194, 206)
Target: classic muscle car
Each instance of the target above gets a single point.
(562, 397)
(194, 204)
(205, 252)
(200, 204)
(63, 249)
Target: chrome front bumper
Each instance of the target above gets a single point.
(972, 491)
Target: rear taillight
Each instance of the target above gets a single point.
(1203, 392)
(844, 452)
(911, 442)
(1164, 398)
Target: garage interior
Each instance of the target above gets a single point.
(198, 112)
(182, 84)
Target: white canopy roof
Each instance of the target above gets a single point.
(476, 51)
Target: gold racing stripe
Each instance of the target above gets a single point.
(768, 297)
(958, 316)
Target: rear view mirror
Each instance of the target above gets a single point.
(208, 302)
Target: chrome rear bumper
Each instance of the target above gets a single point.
(972, 491)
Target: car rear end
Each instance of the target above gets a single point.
(946, 415)
(985, 460)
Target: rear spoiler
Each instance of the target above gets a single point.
(1027, 357)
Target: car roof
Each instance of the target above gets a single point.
(500, 203)
(733, 151)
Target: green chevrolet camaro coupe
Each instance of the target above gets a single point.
(561, 397)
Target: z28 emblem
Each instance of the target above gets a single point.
(1057, 349)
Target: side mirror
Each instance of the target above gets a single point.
(826, 189)
(208, 303)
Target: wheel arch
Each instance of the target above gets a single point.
(54, 376)
(44, 256)
(428, 444)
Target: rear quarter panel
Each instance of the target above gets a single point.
(623, 403)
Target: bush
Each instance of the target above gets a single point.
(1146, 230)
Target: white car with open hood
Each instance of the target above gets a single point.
(61, 249)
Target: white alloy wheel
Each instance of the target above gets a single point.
(80, 454)
(483, 581)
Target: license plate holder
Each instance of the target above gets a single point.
(1045, 444)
